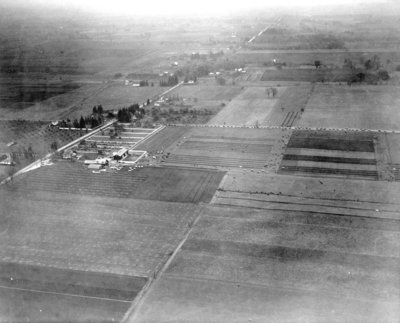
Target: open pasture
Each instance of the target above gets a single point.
(161, 184)
(307, 75)
(57, 107)
(118, 95)
(362, 107)
(245, 263)
(251, 107)
(68, 256)
(333, 57)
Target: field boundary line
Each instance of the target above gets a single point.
(63, 294)
(302, 211)
(326, 292)
(140, 298)
(281, 127)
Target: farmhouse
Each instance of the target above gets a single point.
(120, 154)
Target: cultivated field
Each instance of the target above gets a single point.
(363, 107)
(228, 148)
(161, 184)
(331, 153)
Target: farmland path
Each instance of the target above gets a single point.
(283, 127)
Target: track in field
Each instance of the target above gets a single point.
(290, 119)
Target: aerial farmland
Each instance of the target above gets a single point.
(239, 166)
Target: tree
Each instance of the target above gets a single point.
(94, 110)
(383, 75)
(317, 64)
(54, 146)
(82, 123)
(368, 64)
(75, 123)
(274, 91)
(221, 81)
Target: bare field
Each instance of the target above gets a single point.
(363, 107)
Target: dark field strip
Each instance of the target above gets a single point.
(331, 171)
(262, 251)
(332, 134)
(66, 281)
(358, 161)
(215, 161)
(331, 144)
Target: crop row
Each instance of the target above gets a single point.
(215, 161)
(332, 171)
(358, 161)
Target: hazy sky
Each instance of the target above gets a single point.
(168, 7)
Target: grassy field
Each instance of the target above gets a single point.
(363, 107)
(251, 107)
